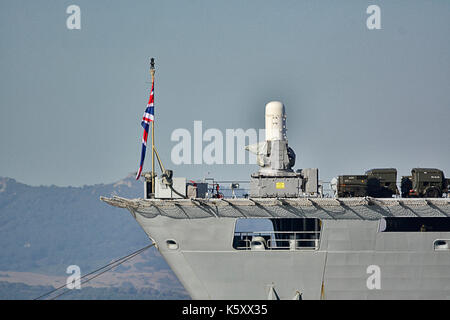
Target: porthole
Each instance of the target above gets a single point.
(442, 245)
(172, 244)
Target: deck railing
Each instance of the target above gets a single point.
(277, 240)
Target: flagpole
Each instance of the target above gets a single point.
(152, 72)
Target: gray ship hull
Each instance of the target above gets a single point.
(209, 267)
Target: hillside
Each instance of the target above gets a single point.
(47, 228)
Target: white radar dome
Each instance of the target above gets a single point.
(275, 121)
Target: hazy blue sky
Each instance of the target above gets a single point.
(71, 100)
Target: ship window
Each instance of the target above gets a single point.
(414, 224)
(172, 244)
(277, 234)
(442, 245)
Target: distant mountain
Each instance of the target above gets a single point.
(21, 291)
(47, 228)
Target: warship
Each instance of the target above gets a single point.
(286, 240)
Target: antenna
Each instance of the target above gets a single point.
(152, 64)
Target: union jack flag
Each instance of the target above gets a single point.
(149, 116)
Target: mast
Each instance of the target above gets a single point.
(152, 72)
